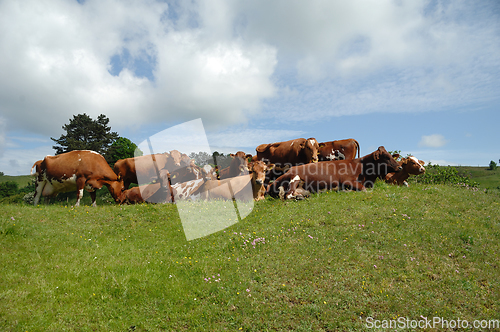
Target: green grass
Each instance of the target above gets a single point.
(486, 178)
(21, 180)
(323, 264)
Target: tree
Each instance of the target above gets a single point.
(122, 148)
(83, 133)
(493, 165)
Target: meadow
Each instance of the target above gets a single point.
(332, 262)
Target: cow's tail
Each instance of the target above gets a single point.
(32, 167)
(359, 150)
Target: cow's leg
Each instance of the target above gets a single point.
(93, 195)
(80, 184)
(38, 191)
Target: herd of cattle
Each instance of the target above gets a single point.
(289, 170)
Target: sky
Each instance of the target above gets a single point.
(422, 77)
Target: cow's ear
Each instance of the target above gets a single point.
(321, 145)
(248, 156)
(232, 155)
(396, 156)
(421, 162)
(270, 167)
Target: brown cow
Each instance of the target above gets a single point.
(237, 187)
(128, 169)
(294, 152)
(158, 192)
(238, 166)
(356, 174)
(258, 171)
(286, 154)
(75, 170)
(411, 166)
(344, 149)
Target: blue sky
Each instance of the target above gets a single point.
(422, 77)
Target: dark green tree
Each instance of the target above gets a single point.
(122, 148)
(83, 133)
(493, 165)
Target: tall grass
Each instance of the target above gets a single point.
(327, 263)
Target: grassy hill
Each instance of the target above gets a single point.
(487, 178)
(332, 262)
(21, 180)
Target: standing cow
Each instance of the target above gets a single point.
(287, 154)
(75, 170)
(356, 174)
(344, 149)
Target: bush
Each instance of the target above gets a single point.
(493, 165)
(435, 174)
(8, 188)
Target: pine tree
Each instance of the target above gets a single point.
(83, 133)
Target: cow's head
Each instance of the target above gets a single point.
(116, 189)
(177, 157)
(413, 166)
(258, 170)
(381, 156)
(240, 162)
(311, 149)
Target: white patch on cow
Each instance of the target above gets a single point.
(291, 144)
(331, 156)
(54, 186)
(415, 160)
(296, 178)
(312, 141)
(92, 152)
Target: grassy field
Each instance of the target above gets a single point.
(332, 262)
(21, 180)
(486, 178)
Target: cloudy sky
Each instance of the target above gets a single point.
(422, 77)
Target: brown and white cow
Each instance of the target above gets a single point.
(356, 174)
(344, 149)
(411, 166)
(75, 170)
(238, 166)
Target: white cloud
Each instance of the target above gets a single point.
(57, 57)
(432, 141)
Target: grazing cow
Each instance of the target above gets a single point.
(128, 168)
(411, 166)
(238, 166)
(356, 174)
(338, 150)
(75, 170)
(187, 173)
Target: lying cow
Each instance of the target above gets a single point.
(142, 169)
(75, 170)
(243, 187)
(344, 149)
(356, 174)
(411, 166)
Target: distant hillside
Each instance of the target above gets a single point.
(485, 177)
(22, 180)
